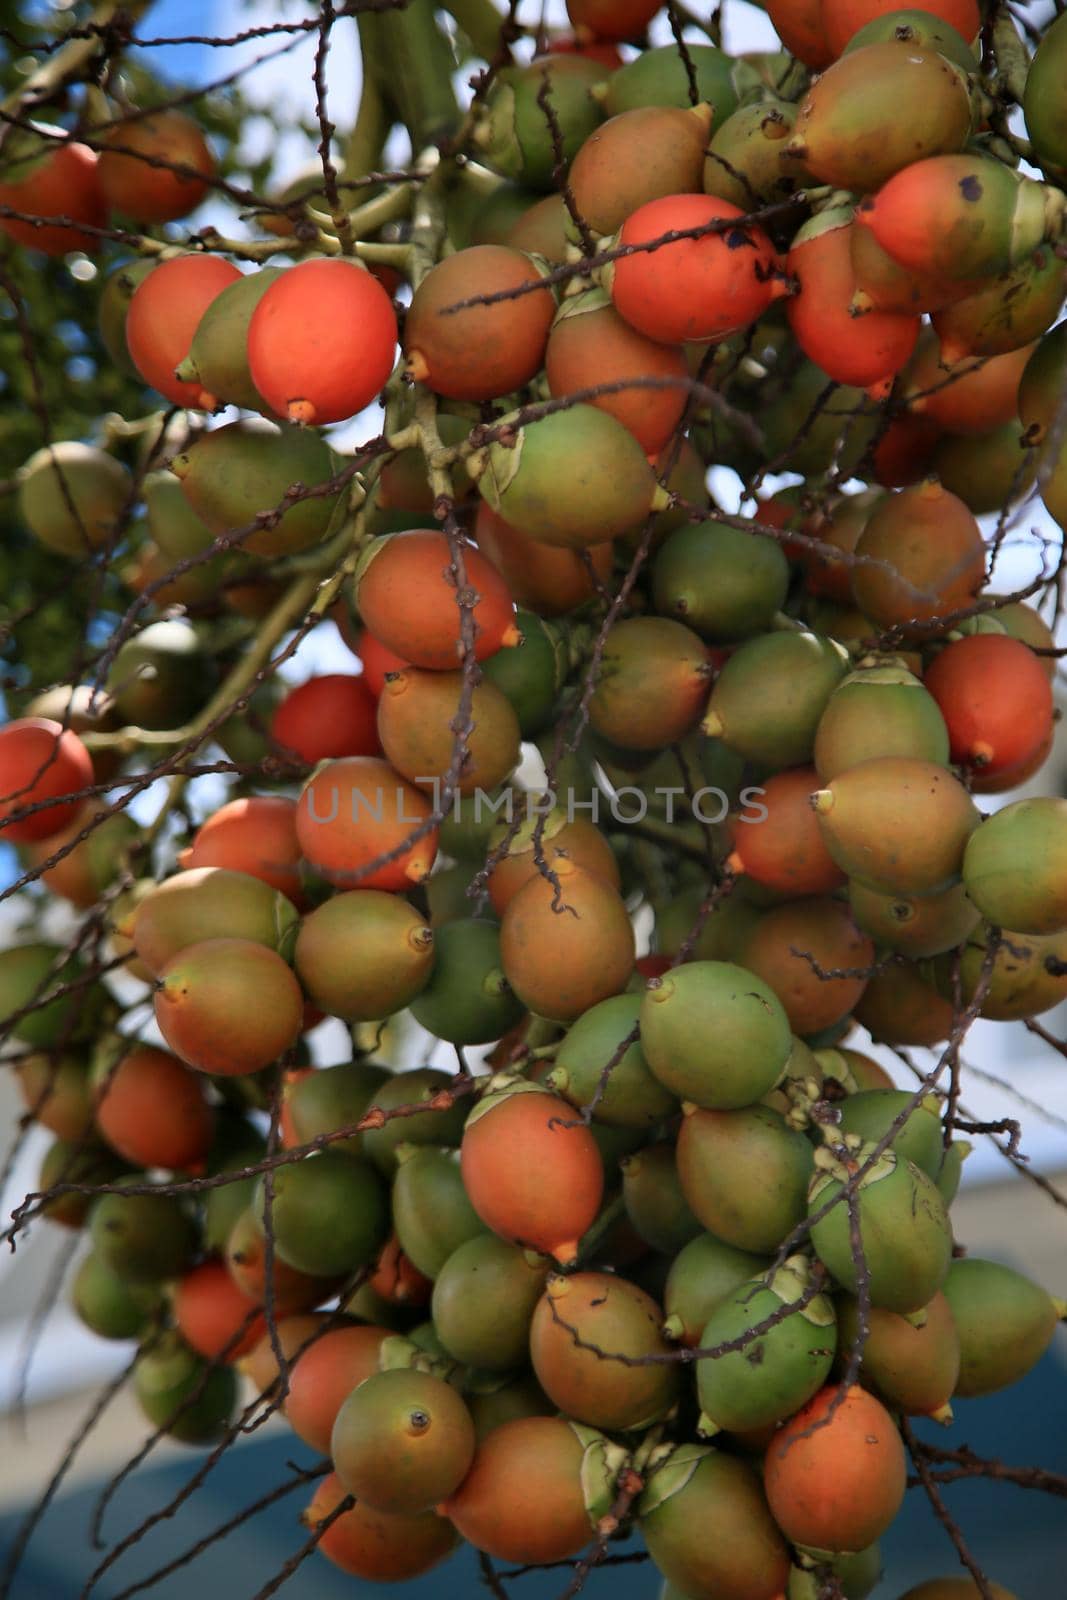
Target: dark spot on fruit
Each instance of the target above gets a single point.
(970, 188)
(755, 1355)
(737, 239)
(602, 1301)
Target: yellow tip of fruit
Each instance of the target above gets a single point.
(417, 366)
(734, 864)
(822, 801)
(208, 401)
(943, 1415)
(302, 412)
(860, 303)
(511, 636)
(712, 725)
(661, 499)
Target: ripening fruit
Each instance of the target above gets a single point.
(151, 1109)
(955, 1589)
(927, 559)
(701, 1276)
(748, 161)
(540, 577)
(1015, 866)
(724, 582)
(838, 526)
(577, 840)
(770, 694)
(322, 1377)
(78, 1162)
(164, 313)
(328, 716)
(40, 760)
(646, 383)
(357, 809)
(329, 1213)
(571, 478)
(996, 700)
(213, 1316)
(378, 1546)
(608, 185)
(363, 955)
(957, 216)
(180, 1394)
(321, 341)
(986, 470)
(561, 955)
(1004, 1320)
(837, 1486)
(135, 186)
(714, 1034)
(600, 1309)
(235, 475)
(46, 174)
(882, 284)
(879, 109)
(907, 1237)
(407, 593)
(532, 1171)
(322, 1100)
(970, 395)
(913, 1368)
(481, 351)
(652, 684)
(72, 495)
(629, 1097)
(403, 1441)
(467, 1000)
(56, 1091)
(708, 1528)
(246, 1262)
(210, 903)
(867, 351)
(897, 825)
(523, 1499)
(612, 19)
(416, 714)
(1046, 116)
(1007, 312)
(914, 926)
(431, 1212)
(218, 354)
(782, 848)
(744, 1174)
(795, 947)
(878, 712)
(255, 835)
(483, 1300)
(228, 1006)
(703, 287)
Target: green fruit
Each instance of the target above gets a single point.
(329, 1214)
(161, 676)
(631, 1096)
(69, 1162)
(654, 1200)
(333, 1098)
(30, 970)
(438, 1125)
(914, 927)
(211, 903)
(985, 470)
(71, 497)
(143, 1238)
(913, 1365)
(813, 423)
(708, 1528)
(108, 1305)
(875, 713)
(745, 1174)
(701, 1276)
(904, 1228)
(364, 955)
(172, 522)
(770, 695)
(532, 674)
(467, 1000)
(218, 354)
(402, 1441)
(1006, 313)
(572, 478)
(1028, 974)
(948, 1179)
(470, 820)
(1043, 101)
(714, 1034)
(494, 1400)
(897, 824)
(237, 1144)
(899, 1006)
(1015, 866)
(115, 296)
(652, 684)
(659, 77)
(722, 932)
(483, 1302)
(774, 1373)
(235, 474)
(181, 1394)
(921, 29)
(1004, 1320)
(515, 137)
(431, 1213)
(856, 1574)
(724, 582)
(748, 160)
(871, 1113)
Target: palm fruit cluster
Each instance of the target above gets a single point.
(668, 1251)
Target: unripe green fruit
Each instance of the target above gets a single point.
(702, 1275)
(530, 675)
(985, 470)
(431, 1213)
(652, 684)
(714, 1034)
(1015, 866)
(333, 1098)
(468, 999)
(770, 695)
(440, 1124)
(402, 1441)
(31, 971)
(71, 496)
(235, 474)
(114, 302)
(364, 955)
(748, 160)
(75, 1162)
(237, 1144)
(776, 1372)
(745, 1174)
(515, 139)
(708, 1528)
(211, 903)
(1028, 974)
(723, 582)
(483, 1302)
(107, 1304)
(630, 1096)
(877, 712)
(496, 1400)
(658, 77)
(329, 1214)
(856, 1574)
(161, 676)
(913, 1365)
(180, 1394)
(920, 29)
(913, 926)
(1043, 102)
(722, 932)
(948, 1179)
(872, 1113)
(143, 1238)
(655, 1204)
(1004, 1320)
(218, 355)
(1006, 313)
(811, 423)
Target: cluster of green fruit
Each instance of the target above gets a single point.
(511, 1307)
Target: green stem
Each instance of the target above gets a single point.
(480, 21)
(69, 60)
(411, 60)
(364, 145)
